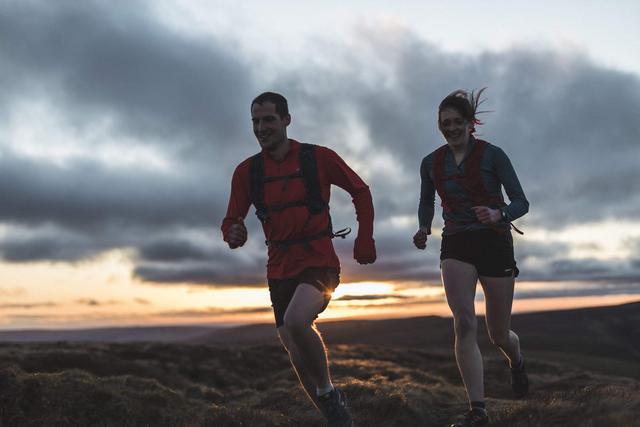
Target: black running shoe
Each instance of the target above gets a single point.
(519, 379)
(334, 407)
(473, 418)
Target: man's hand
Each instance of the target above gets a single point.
(487, 215)
(236, 235)
(364, 250)
(420, 239)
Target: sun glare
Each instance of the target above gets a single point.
(362, 288)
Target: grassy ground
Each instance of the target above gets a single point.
(210, 385)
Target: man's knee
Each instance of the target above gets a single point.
(465, 324)
(295, 325)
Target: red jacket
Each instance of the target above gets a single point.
(296, 222)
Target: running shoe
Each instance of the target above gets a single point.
(473, 418)
(519, 379)
(334, 407)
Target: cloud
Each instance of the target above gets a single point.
(27, 306)
(88, 195)
(409, 301)
(214, 311)
(200, 274)
(176, 250)
(91, 302)
(369, 297)
(12, 292)
(131, 82)
(150, 81)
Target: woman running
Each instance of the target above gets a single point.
(477, 244)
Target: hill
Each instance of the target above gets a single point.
(397, 372)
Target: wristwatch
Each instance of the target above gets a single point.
(503, 215)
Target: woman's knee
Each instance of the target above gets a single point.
(285, 338)
(499, 338)
(465, 324)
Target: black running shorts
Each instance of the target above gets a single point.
(325, 279)
(489, 251)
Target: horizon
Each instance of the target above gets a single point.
(117, 148)
(540, 306)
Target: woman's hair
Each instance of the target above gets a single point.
(464, 104)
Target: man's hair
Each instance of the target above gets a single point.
(282, 107)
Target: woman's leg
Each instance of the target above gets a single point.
(459, 280)
(498, 292)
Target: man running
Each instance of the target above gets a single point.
(289, 185)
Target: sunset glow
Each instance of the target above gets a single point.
(117, 149)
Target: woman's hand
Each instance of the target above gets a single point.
(487, 215)
(420, 239)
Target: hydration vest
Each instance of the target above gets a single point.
(308, 172)
(471, 180)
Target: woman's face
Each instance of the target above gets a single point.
(455, 128)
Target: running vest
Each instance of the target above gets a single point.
(470, 180)
(308, 172)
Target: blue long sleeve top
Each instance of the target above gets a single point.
(496, 172)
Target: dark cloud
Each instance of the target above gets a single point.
(176, 250)
(588, 268)
(179, 260)
(398, 259)
(568, 125)
(203, 274)
(52, 248)
(88, 194)
(556, 115)
(95, 61)
(526, 249)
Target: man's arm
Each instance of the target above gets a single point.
(340, 174)
(234, 231)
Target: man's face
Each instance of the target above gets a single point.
(269, 128)
(455, 128)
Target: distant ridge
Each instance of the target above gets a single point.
(112, 334)
(617, 329)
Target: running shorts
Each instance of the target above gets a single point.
(325, 279)
(490, 252)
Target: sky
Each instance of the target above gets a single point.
(120, 128)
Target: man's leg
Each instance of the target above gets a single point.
(459, 279)
(498, 292)
(303, 308)
(296, 361)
